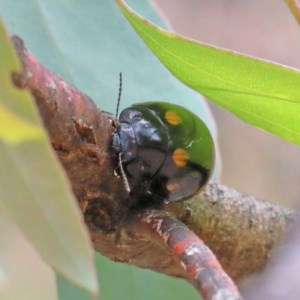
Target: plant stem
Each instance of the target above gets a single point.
(199, 264)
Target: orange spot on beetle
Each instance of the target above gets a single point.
(172, 117)
(180, 157)
(172, 186)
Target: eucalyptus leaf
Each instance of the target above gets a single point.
(261, 93)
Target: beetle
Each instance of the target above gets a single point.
(165, 148)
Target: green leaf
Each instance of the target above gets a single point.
(33, 187)
(142, 284)
(23, 274)
(261, 93)
(122, 281)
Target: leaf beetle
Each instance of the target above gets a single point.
(165, 149)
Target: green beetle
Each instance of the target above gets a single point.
(165, 148)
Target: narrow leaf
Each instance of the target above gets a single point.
(33, 187)
(262, 93)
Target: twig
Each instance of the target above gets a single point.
(188, 250)
(294, 7)
(241, 230)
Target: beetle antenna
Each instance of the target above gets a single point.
(119, 95)
(124, 177)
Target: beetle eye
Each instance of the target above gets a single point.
(136, 116)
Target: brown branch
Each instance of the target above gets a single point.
(79, 132)
(294, 7)
(241, 231)
(196, 260)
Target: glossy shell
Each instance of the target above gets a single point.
(166, 148)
